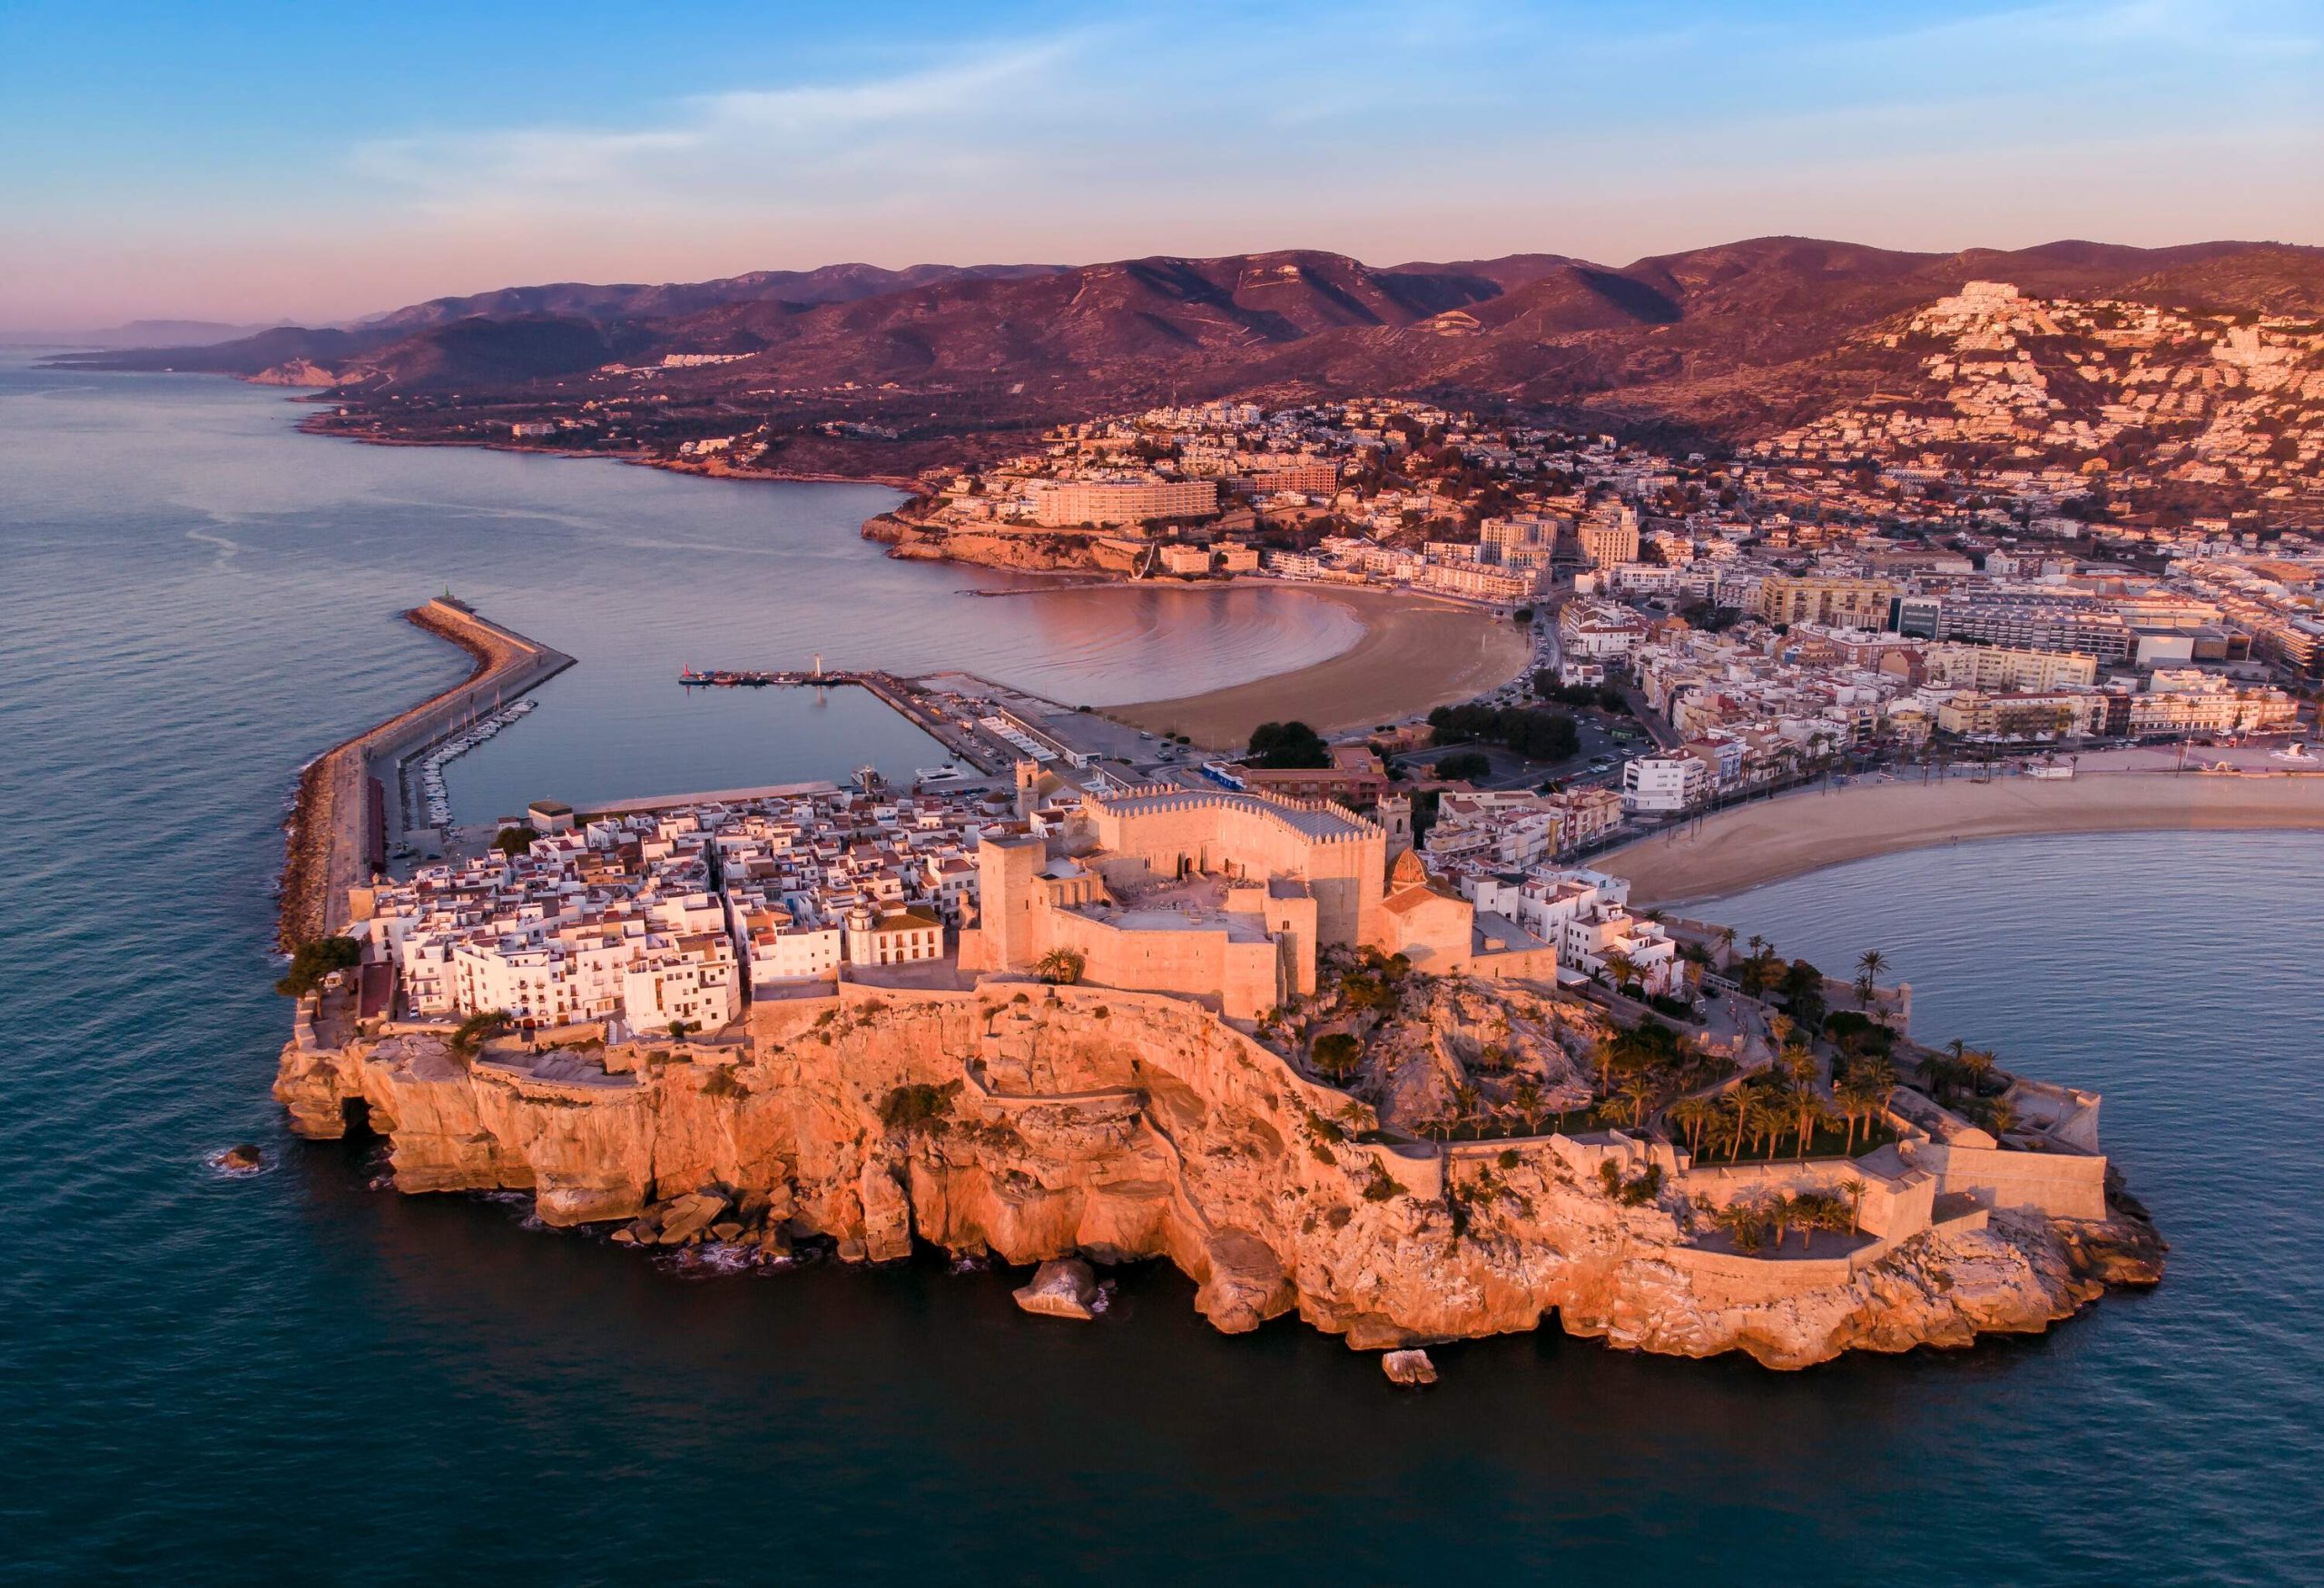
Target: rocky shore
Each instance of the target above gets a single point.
(910, 538)
(1030, 1123)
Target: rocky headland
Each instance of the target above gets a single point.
(1031, 1123)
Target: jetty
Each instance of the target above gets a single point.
(911, 699)
(341, 819)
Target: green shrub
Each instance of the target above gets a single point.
(1337, 1052)
(317, 959)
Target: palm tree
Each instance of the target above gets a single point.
(1526, 1094)
(1855, 1188)
(1621, 968)
(1812, 1113)
(1062, 967)
(1693, 1115)
(1465, 1097)
(1978, 1063)
(1868, 966)
(1637, 1094)
(1739, 1106)
(1864, 1090)
(1604, 1057)
(1727, 941)
(2001, 1117)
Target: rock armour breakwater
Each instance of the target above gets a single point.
(1123, 1126)
(335, 826)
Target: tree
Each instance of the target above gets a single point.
(1861, 1094)
(1335, 1053)
(1462, 766)
(514, 841)
(1868, 966)
(1289, 744)
(1621, 967)
(1465, 1099)
(2001, 1116)
(1525, 1093)
(1976, 1063)
(1060, 967)
(1693, 1116)
(315, 959)
(1636, 1093)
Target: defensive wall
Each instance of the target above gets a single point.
(1342, 857)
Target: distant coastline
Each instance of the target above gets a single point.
(1770, 841)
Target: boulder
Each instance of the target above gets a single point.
(243, 1157)
(683, 1217)
(1061, 1288)
(727, 1230)
(1411, 1367)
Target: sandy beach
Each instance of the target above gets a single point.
(1415, 654)
(1770, 840)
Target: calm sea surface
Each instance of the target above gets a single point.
(293, 1378)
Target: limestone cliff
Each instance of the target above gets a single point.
(1032, 553)
(1030, 1123)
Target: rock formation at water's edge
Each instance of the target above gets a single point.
(1029, 1123)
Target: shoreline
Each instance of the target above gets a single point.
(1413, 654)
(307, 427)
(1406, 639)
(1773, 841)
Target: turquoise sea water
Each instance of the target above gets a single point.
(297, 1378)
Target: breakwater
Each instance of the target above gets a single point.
(350, 798)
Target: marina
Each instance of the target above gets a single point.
(434, 802)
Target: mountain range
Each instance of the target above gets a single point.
(1734, 337)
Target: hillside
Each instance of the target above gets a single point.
(1736, 340)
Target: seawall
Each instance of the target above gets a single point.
(338, 827)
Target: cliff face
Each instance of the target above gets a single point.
(1030, 553)
(1122, 1127)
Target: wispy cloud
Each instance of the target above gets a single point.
(705, 138)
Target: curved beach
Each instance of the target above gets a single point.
(1414, 654)
(1771, 840)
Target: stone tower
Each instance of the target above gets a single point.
(1008, 884)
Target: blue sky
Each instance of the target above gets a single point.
(248, 161)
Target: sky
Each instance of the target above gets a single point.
(247, 160)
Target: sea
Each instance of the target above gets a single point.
(299, 1377)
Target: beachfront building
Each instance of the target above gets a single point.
(2187, 700)
(1057, 504)
(1664, 785)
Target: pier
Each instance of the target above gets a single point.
(341, 824)
(916, 703)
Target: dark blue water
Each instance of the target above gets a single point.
(295, 1378)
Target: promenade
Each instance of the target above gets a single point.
(351, 799)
